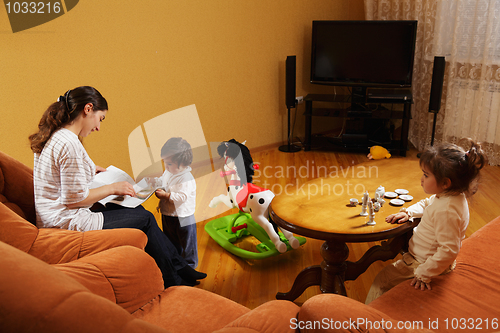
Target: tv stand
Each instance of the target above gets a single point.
(358, 99)
(364, 106)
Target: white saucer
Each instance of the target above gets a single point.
(390, 195)
(401, 191)
(406, 197)
(397, 202)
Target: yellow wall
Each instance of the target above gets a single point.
(148, 57)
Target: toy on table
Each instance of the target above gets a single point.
(364, 205)
(378, 153)
(371, 214)
(248, 198)
(379, 195)
(370, 206)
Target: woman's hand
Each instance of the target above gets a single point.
(123, 188)
(99, 169)
(400, 217)
(96, 194)
(419, 284)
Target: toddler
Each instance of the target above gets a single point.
(450, 175)
(178, 198)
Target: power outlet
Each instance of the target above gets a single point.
(299, 99)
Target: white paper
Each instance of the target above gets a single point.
(113, 175)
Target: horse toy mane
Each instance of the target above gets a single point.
(244, 165)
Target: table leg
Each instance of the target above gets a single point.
(335, 254)
(386, 251)
(310, 276)
(330, 275)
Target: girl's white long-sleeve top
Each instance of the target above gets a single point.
(437, 239)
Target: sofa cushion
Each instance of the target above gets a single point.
(272, 316)
(183, 309)
(472, 290)
(124, 275)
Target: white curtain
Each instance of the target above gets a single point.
(467, 33)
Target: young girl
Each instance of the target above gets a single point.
(178, 199)
(63, 172)
(450, 175)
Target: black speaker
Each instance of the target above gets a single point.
(436, 91)
(290, 81)
(291, 64)
(437, 84)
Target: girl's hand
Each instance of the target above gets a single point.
(420, 284)
(99, 169)
(400, 217)
(161, 194)
(151, 181)
(123, 188)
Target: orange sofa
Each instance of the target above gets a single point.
(465, 300)
(54, 280)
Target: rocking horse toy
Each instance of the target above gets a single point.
(253, 203)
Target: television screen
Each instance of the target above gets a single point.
(363, 53)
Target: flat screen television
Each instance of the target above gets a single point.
(363, 53)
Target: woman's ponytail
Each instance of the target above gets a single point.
(55, 117)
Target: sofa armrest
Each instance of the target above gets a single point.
(35, 297)
(16, 184)
(336, 313)
(124, 275)
(272, 316)
(56, 246)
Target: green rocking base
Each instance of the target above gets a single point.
(221, 230)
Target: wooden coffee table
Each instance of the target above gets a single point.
(320, 209)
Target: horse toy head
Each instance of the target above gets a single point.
(237, 157)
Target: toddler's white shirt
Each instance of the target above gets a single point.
(182, 189)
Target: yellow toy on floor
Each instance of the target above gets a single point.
(378, 153)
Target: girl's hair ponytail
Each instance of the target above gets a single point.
(461, 166)
(67, 108)
(474, 161)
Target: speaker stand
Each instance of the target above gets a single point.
(433, 128)
(289, 148)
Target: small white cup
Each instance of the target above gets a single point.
(354, 202)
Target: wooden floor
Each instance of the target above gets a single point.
(254, 282)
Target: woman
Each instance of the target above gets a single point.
(63, 172)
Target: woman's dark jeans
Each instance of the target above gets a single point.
(159, 246)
